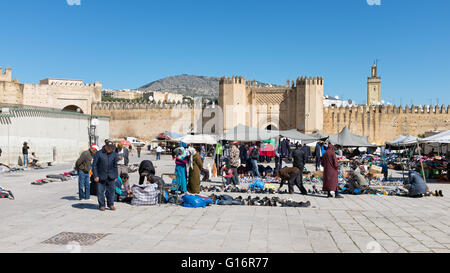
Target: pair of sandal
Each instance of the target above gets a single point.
(39, 182)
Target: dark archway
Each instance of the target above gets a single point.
(73, 108)
(271, 128)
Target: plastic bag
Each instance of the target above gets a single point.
(192, 201)
(257, 185)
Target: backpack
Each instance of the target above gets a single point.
(255, 154)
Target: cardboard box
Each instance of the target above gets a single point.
(375, 170)
(376, 175)
(318, 174)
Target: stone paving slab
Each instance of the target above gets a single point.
(350, 225)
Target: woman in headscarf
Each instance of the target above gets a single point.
(330, 172)
(195, 167)
(181, 160)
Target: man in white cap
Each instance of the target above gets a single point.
(83, 166)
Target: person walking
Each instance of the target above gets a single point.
(122, 153)
(254, 158)
(330, 172)
(83, 166)
(234, 162)
(159, 150)
(105, 173)
(195, 167)
(181, 160)
(25, 149)
(146, 169)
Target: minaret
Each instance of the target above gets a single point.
(374, 88)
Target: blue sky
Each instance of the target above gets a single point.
(126, 44)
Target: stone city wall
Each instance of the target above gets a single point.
(146, 120)
(55, 136)
(385, 123)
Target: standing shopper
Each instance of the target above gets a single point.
(105, 173)
(138, 150)
(25, 149)
(181, 160)
(83, 166)
(330, 172)
(243, 153)
(158, 152)
(300, 159)
(234, 162)
(195, 167)
(318, 153)
(122, 153)
(254, 157)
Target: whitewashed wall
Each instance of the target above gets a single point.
(45, 131)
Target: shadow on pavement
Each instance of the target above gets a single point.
(85, 206)
(70, 198)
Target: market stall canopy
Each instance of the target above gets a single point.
(295, 134)
(198, 139)
(403, 141)
(443, 138)
(169, 136)
(347, 139)
(249, 134)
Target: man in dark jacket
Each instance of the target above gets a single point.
(243, 154)
(83, 166)
(294, 177)
(105, 173)
(299, 157)
(146, 169)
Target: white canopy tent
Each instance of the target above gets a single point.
(442, 138)
(403, 141)
(249, 134)
(198, 139)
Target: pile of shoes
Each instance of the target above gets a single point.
(40, 182)
(6, 194)
(226, 200)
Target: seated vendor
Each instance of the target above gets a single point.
(123, 192)
(415, 185)
(34, 159)
(229, 175)
(294, 177)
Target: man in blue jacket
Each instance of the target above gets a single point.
(105, 174)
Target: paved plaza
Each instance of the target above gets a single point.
(353, 224)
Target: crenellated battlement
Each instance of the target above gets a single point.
(232, 80)
(309, 81)
(137, 106)
(5, 76)
(68, 83)
(390, 109)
